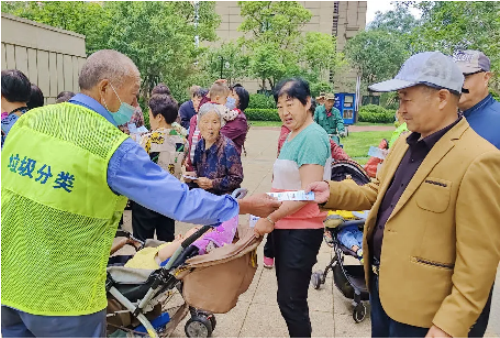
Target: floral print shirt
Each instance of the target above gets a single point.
(221, 163)
(167, 148)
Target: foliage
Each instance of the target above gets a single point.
(451, 26)
(377, 55)
(262, 115)
(373, 108)
(495, 95)
(276, 46)
(82, 17)
(398, 21)
(157, 35)
(376, 114)
(320, 87)
(261, 101)
(232, 59)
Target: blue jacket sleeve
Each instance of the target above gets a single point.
(132, 174)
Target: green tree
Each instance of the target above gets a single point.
(230, 57)
(87, 18)
(159, 37)
(273, 38)
(455, 25)
(376, 55)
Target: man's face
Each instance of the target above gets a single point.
(477, 84)
(329, 104)
(196, 102)
(113, 95)
(419, 108)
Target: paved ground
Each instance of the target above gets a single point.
(257, 313)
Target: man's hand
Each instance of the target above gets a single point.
(262, 227)
(436, 332)
(204, 183)
(261, 205)
(321, 191)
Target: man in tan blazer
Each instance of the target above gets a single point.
(432, 239)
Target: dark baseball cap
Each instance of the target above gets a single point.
(472, 61)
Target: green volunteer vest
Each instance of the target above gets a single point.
(59, 215)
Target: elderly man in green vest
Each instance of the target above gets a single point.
(67, 173)
(329, 117)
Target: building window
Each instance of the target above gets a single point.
(336, 7)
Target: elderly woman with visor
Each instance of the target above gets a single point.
(217, 162)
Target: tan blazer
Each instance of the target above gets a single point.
(441, 244)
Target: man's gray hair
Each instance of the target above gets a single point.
(106, 64)
(211, 107)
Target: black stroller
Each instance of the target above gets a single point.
(349, 279)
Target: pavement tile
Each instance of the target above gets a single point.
(264, 321)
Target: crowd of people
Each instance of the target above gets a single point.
(431, 243)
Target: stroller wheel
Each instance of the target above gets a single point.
(359, 313)
(316, 280)
(198, 326)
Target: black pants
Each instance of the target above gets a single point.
(385, 326)
(269, 246)
(296, 252)
(145, 222)
(479, 329)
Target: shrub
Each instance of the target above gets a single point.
(495, 95)
(262, 115)
(387, 117)
(376, 114)
(261, 101)
(373, 108)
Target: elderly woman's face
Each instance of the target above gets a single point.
(210, 125)
(292, 112)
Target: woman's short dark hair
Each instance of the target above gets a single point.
(36, 98)
(313, 106)
(164, 105)
(295, 88)
(15, 86)
(244, 97)
(64, 96)
(161, 89)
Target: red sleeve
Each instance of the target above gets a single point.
(338, 154)
(283, 134)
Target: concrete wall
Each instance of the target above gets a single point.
(342, 19)
(50, 57)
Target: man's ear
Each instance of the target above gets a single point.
(487, 76)
(444, 97)
(103, 85)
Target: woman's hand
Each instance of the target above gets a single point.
(262, 227)
(204, 183)
(321, 191)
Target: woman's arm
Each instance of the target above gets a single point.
(309, 173)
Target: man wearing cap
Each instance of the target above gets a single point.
(482, 112)
(321, 99)
(432, 239)
(329, 117)
(480, 109)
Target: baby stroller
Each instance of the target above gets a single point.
(349, 279)
(141, 301)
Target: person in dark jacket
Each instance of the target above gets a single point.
(482, 112)
(189, 108)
